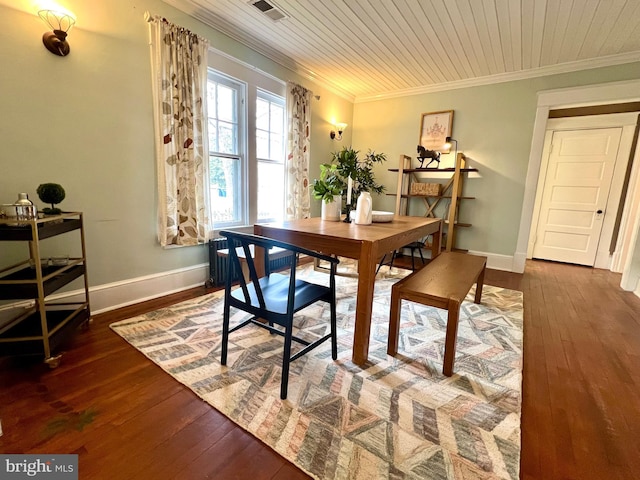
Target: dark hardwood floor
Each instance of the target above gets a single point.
(128, 419)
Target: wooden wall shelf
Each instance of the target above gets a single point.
(433, 170)
(452, 190)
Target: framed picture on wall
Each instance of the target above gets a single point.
(434, 128)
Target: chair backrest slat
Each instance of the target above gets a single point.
(268, 243)
(244, 242)
(253, 274)
(235, 269)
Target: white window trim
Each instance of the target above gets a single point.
(255, 80)
(242, 154)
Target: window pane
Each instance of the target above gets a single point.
(213, 135)
(276, 152)
(262, 144)
(270, 191)
(211, 99)
(226, 104)
(227, 138)
(277, 118)
(262, 114)
(225, 190)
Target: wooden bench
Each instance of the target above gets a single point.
(442, 283)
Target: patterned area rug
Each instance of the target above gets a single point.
(395, 418)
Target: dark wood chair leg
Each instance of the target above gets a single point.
(225, 333)
(334, 331)
(381, 263)
(286, 360)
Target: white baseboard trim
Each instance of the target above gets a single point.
(135, 290)
(498, 262)
(111, 296)
(519, 262)
(495, 261)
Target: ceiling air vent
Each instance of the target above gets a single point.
(268, 9)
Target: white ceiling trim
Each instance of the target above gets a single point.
(510, 76)
(498, 36)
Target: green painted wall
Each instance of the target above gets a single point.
(494, 126)
(85, 121)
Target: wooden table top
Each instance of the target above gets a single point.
(371, 233)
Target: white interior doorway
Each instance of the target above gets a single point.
(610, 93)
(581, 178)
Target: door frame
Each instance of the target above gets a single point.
(625, 121)
(601, 94)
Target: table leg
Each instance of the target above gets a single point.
(436, 241)
(364, 304)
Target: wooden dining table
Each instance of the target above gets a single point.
(365, 243)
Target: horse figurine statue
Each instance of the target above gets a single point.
(423, 154)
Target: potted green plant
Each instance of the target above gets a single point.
(329, 189)
(360, 171)
(345, 164)
(51, 193)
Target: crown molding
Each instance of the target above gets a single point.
(208, 18)
(509, 77)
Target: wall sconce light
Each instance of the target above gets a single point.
(60, 23)
(448, 143)
(447, 146)
(336, 133)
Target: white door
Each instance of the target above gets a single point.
(576, 189)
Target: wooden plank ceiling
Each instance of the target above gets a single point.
(365, 49)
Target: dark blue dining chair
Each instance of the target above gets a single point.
(413, 246)
(273, 299)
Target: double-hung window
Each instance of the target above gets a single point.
(227, 157)
(246, 125)
(270, 155)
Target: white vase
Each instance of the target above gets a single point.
(364, 209)
(331, 210)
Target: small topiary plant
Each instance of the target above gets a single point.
(51, 193)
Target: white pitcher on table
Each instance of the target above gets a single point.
(364, 209)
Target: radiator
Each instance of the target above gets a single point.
(218, 265)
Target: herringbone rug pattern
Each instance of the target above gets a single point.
(395, 418)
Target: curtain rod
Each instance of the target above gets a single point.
(157, 18)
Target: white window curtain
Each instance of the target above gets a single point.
(298, 151)
(179, 74)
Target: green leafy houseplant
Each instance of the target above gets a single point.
(329, 184)
(344, 164)
(51, 193)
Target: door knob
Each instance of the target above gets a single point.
(599, 212)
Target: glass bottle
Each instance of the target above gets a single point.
(23, 199)
(25, 209)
